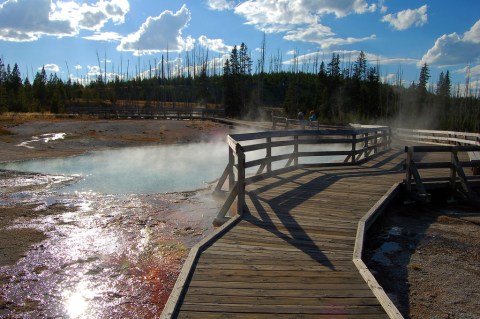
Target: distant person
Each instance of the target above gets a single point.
(300, 116)
(301, 119)
(312, 117)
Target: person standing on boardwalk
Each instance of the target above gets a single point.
(301, 119)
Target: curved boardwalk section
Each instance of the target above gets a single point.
(290, 255)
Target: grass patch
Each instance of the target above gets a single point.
(4, 131)
(11, 118)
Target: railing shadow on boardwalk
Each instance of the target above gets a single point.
(297, 237)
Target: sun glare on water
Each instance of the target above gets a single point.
(77, 302)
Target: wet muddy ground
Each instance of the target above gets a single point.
(88, 255)
(427, 259)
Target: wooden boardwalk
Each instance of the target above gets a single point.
(290, 256)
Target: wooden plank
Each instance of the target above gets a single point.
(256, 315)
(306, 300)
(292, 309)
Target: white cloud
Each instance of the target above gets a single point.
(51, 68)
(276, 15)
(104, 36)
(453, 49)
(94, 16)
(312, 33)
(94, 70)
(329, 42)
(473, 35)
(322, 35)
(351, 55)
(382, 7)
(407, 18)
(345, 7)
(160, 33)
(28, 20)
(216, 45)
(78, 67)
(282, 15)
(473, 71)
(301, 19)
(389, 78)
(220, 5)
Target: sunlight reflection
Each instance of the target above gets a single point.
(76, 303)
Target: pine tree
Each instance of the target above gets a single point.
(444, 85)
(424, 77)
(39, 88)
(360, 67)
(333, 68)
(234, 62)
(244, 60)
(14, 80)
(441, 80)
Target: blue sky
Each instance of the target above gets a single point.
(398, 35)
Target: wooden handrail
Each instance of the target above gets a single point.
(438, 137)
(284, 123)
(455, 167)
(148, 112)
(365, 143)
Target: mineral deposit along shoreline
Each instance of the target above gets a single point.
(79, 253)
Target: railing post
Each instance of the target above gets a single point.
(231, 163)
(295, 151)
(453, 171)
(354, 148)
(365, 146)
(241, 179)
(389, 138)
(269, 155)
(408, 172)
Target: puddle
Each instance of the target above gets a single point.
(45, 138)
(384, 253)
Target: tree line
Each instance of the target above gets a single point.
(339, 93)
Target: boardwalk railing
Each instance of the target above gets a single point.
(177, 113)
(438, 137)
(276, 151)
(454, 174)
(285, 123)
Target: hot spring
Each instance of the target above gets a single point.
(152, 169)
(136, 170)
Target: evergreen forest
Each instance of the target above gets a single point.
(337, 91)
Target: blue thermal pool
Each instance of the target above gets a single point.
(137, 170)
